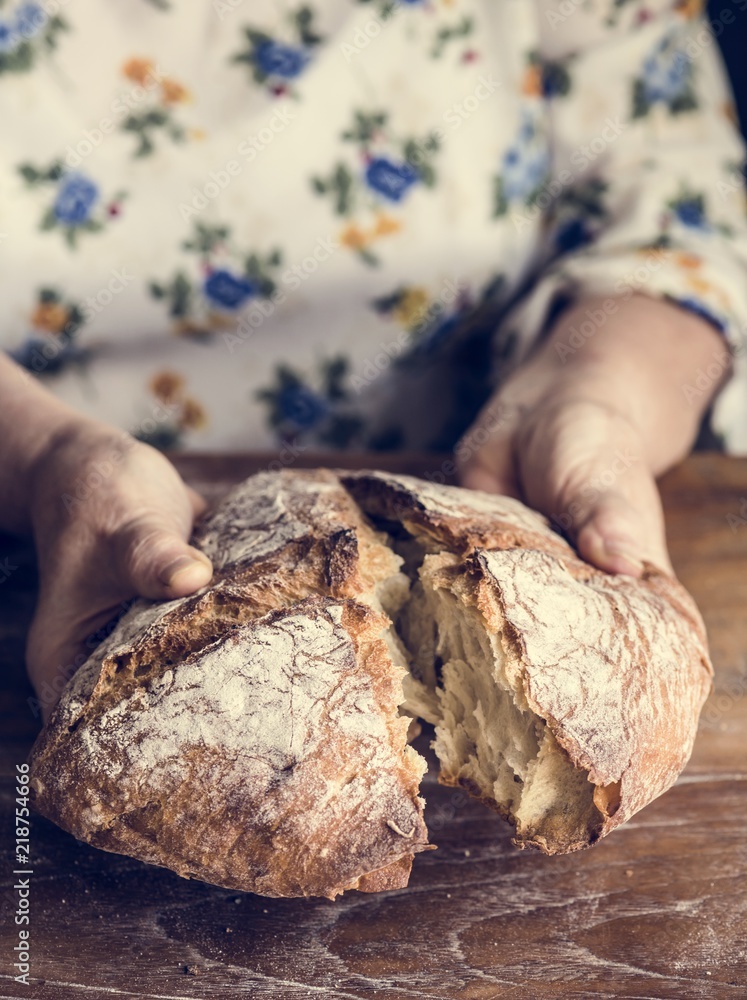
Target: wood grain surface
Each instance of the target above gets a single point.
(658, 910)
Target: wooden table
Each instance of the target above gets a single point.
(658, 910)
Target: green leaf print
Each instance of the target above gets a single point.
(255, 269)
(340, 185)
(365, 127)
(304, 18)
(177, 292)
(641, 103)
(206, 238)
(334, 373)
(386, 7)
(21, 57)
(146, 124)
(500, 202)
(448, 34)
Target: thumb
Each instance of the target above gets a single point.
(582, 464)
(606, 502)
(154, 561)
(147, 557)
(619, 530)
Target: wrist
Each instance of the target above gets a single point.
(34, 426)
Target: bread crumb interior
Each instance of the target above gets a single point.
(487, 738)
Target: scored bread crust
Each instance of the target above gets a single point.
(249, 735)
(253, 736)
(617, 668)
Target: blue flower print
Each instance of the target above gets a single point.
(30, 19)
(276, 63)
(34, 355)
(323, 411)
(689, 212)
(26, 34)
(77, 206)
(228, 291)
(392, 180)
(277, 59)
(75, 200)
(689, 209)
(300, 405)
(665, 74)
(523, 172)
(387, 166)
(8, 37)
(666, 77)
(555, 80)
(523, 169)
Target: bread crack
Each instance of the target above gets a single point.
(462, 679)
(255, 734)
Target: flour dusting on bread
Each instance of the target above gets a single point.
(254, 734)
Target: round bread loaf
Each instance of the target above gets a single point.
(254, 735)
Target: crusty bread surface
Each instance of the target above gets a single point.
(254, 735)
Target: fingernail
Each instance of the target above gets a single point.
(176, 573)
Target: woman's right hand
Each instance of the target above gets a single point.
(111, 519)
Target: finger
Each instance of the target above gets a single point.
(485, 455)
(583, 465)
(617, 534)
(147, 559)
(56, 648)
(157, 562)
(608, 508)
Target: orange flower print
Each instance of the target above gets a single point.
(167, 387)
(353, 237)
(386, 224)
(687, 261)
(138, 70)
(411, 308)
(531, 85)
(172, 92)
(156, 118)
(704, 288)
(689, 8)
(193, 416)
(50, 317)
(182, 413)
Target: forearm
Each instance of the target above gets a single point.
(657, 363)
(30, 418)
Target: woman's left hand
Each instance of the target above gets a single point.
(581, 433)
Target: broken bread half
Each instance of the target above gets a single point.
(562, 696)
(254, 735)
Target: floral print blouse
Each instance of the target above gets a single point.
(277, 224)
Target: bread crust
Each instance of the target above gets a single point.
(249, 735)
(617, 668)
